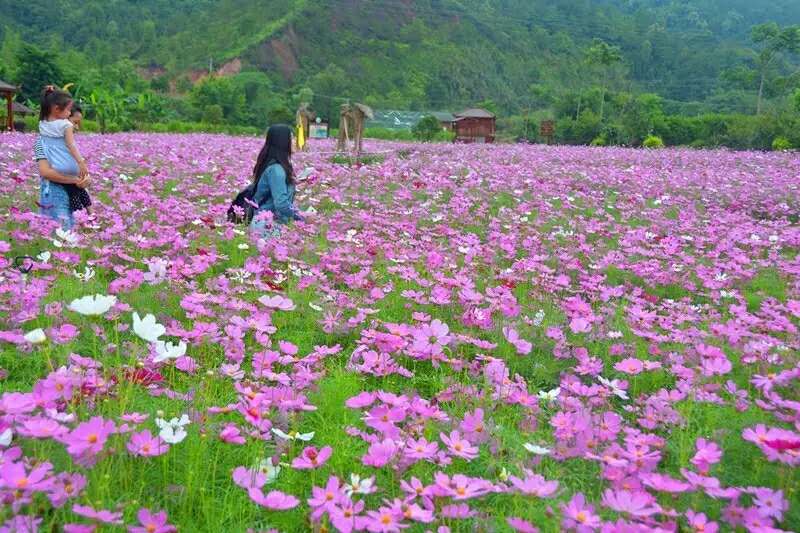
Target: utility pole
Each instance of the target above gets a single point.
(210, 65)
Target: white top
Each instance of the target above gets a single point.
(54, 128)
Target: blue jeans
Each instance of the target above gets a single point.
(54, 203)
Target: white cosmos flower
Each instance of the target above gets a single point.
(243, 246)
(172, 431)
(43, 257)
(268, 469)
(167, 350)
(5, 437)
(65, 238)
(92, 305)
(35, 336)
(536, 449)
(538, 318)
(551, 395)
(359, 486)
(293, 435)
(147, 328)
(613, 384)
(88, 273)
(314, 306)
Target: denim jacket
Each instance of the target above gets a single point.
(273, 194)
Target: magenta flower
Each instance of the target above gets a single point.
(699, 522)
(708, 453)
(636, 503)
(275, 500)
(534, 485)
(310, 458)
(474, 427)
(521, 526)
(458, 446)
(578, 515)
(231, 434)
(384, 520)
(380, 453)
(15, 477)
(145, 444)
(89, 437)
(431, 338)
(152, 523)
(325, 500)
(106, 517)
(631, 366)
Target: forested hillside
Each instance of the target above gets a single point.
(517, 55)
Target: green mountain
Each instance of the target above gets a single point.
(423, 54)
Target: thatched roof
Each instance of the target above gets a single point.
(21, 109)
(474, 113)
(7, 87)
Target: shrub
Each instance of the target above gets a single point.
(653, 141)
(781, 144)
(600, 140)
(427, 128)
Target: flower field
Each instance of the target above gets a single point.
(459, 338)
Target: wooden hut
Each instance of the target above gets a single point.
(475, 126)
(8, 91)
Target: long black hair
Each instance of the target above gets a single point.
(51, 98)
(277, 149)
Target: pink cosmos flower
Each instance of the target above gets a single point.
(631, 366)
(579, 516)
(325, 500)
(106, 517)
(346, 516)
(275, 500)
(700, 523)
(431, 338)
(580, 325)
(231, 434)
(664, 483)
(152, 523)
(310, 458)
(14, 476)
(708, 453)
(384, 520)
(636, 503)
(63, 334)
(523, 347)
(534, 485)
(521, 526)
(380, 453)
(278, 302)
(145, 444)
(420, 449)
(474, 427)
(89, 437)
(41, 428)
(64, 487)
(458, 446)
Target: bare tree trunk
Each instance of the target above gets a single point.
(760, 93)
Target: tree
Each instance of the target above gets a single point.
(427, 128)
(772, 42)
(35, 70)
(604, 56)
(222, 92)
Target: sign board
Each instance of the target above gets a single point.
(547, 128)
(318, 131)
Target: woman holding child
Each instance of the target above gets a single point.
(63, 172)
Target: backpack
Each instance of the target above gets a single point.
(245, 204)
